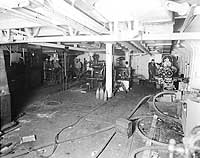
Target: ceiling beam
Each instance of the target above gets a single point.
(37, 19)
(46, 13)
(21, 23)
(97, 50)
(67, 10)
(159, 44)
(78, 49)
(52, 45)
(127, 45)
(134, 46)
(90, 10)
(111, 38)
(61, 19)
(140, 46)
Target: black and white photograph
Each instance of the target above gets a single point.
(100, 78)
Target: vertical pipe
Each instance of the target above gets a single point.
(109, 49)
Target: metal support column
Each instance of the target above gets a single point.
(5, 102)
(109, 58)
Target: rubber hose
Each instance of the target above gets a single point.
(158, 110)
(145, 99)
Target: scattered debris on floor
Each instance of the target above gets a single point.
(26, 139)
(89, 129)
(46, 115)
(24, 121)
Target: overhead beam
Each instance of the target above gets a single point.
(97, 50)
(159, 44)
(141, 47)
(37, 19)
(90, 10)
(21, 23)
(127, 45)
(111, 38)
(77, 49)
(134, 46)
(60, 19)
(67, 10)
(52, 45)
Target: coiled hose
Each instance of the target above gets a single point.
(161, 112)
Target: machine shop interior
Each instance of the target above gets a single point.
(100, 78)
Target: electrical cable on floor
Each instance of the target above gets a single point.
(106, 144)
(142, 101)
(56, 140)
(69, 126)
(68, 140)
